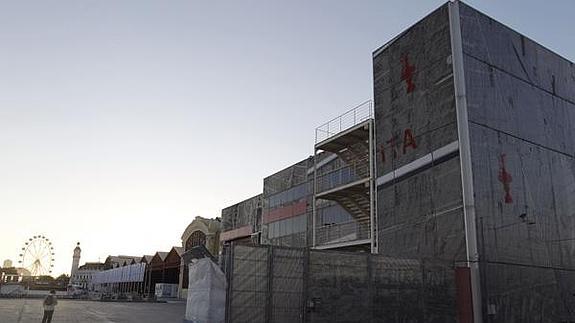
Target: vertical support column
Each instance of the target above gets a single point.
(270, 291)
(463, 295)
(314, 207)
(472, 259)
(229, 274)
(181, 278)
(372, 191)
(370, 288)
(305, 285)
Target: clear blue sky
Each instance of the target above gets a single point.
(120, 121)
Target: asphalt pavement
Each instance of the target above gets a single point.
(30, 310)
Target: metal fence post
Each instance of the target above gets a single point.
(229, 267)
(269, 298)
(305, 285)
(371, 288)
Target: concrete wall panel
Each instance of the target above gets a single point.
(413, 93)
(521, 105)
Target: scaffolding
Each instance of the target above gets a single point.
(350, 139)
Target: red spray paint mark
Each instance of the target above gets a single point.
(408, 141)
(506, 179)
(407, 72)
(382, 152)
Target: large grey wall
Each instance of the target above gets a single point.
(247, 212)
(413, 92)
(282, 190)
(420, 215)
(521, 107)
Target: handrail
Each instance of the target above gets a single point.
(350, 118)
(336, 231)
(341, 176)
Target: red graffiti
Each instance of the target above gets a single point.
(407, 72)
(506, 179)
(408, 141)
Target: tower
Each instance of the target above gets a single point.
(75, 261)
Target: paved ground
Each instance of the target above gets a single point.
(30, 310)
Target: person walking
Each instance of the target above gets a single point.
(50, 303)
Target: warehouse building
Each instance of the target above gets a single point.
(466, 160)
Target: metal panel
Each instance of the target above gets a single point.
(287, 178)
(499, 46)
(499, 100)
(419, 215)
(329, 286)
(288, 274)
(337, 285)
(413, 94)
(522, 131)
(422, 215)
(247, 212)
(249, 292)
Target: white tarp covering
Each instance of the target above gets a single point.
(126, 274)
(206, 293)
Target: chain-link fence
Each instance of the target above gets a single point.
(276, 284)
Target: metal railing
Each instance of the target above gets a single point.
(342, 232)
(352, 117)
(342, 176)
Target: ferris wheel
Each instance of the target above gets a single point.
(37, 256)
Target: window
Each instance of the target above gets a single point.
(196, 238)
(287, 227)
(293, 194)
(333, 214)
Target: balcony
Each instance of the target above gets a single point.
(348, 175)
(341, 234)
(348, 120)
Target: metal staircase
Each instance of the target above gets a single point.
(351, 185)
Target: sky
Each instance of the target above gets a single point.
(121, 121)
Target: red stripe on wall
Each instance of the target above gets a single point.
(463, 293)
(285, 212)
(236, 233)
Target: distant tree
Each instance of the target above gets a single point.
(45, 279)
(63, 277)
(63, 280)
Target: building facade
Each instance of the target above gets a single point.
(84, 275)
(201, 231)
(467, 158)
(475, 126)
(241, 222)
(120, 261)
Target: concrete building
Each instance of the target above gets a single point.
(475, 125)
(7, 263)
(120, 261)
(85, 274)
(467, 157)
(155, 271)
(203, 231)
(241, 222)
(9, 275)
(200, 231)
